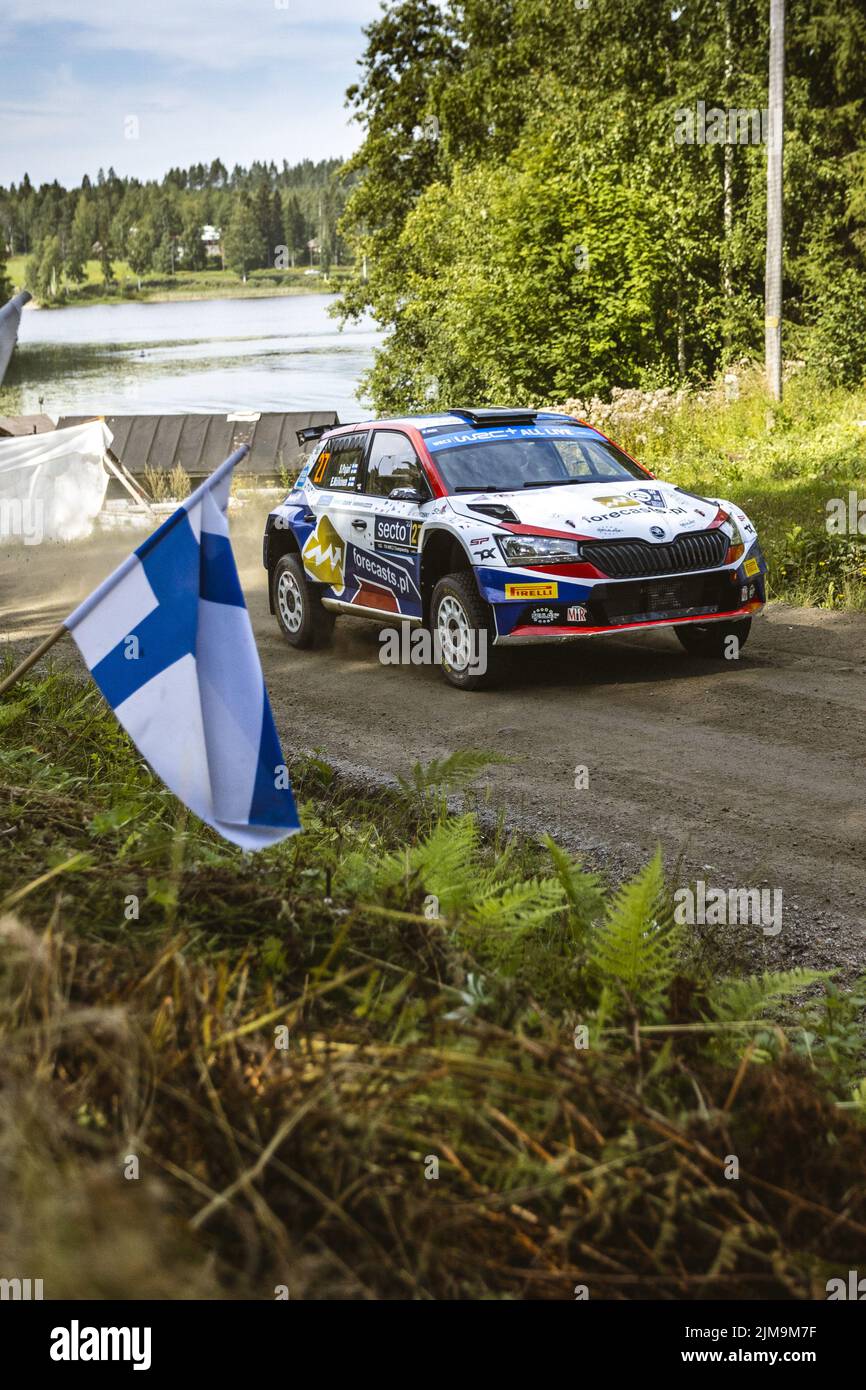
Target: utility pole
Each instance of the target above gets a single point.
(775, 149)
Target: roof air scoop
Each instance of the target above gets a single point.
(496, 415)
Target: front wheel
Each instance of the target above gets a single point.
(463, 633)
(298, 606)
(715, 639)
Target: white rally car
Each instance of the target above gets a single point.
(497, 527)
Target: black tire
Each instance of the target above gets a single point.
(298, 605)
(710, 639)
(459, 593)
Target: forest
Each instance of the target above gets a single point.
(266, 217)
(558, 198)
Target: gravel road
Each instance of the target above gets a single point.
(749, 773)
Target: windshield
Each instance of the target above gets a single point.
(514, 457)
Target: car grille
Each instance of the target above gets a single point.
(644, 600)
(701, 550)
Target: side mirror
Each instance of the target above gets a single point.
(407, 494)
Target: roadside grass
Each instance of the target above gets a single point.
(782, 476)
(153, 287)
(291, 1045)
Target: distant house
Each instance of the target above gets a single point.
(211, 240)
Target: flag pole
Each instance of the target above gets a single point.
(32, 659)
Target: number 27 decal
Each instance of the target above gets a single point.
(319, 471)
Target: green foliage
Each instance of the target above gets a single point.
(431, 783)
(637, 948)
(82, 235)
(737, 999)
(405, 1032)
(549, 234)
(583, 891)
(5, 282)
(245, 245)
(716, 442)
(156, 226)
(835, 301)
(141, 246)
(45, 270)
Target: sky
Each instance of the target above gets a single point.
(148, 86)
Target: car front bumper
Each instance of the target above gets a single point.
(558, 608)
(532, 635)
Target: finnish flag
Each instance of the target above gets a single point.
(168, 640)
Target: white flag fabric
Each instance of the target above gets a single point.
(168, 640)
(52, 485)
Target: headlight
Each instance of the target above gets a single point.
(737, 547)
(548, 550)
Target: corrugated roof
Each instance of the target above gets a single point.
(200, 442)
(25, 424)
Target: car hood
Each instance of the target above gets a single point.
(651, 510)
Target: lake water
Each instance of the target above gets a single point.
(218, 355)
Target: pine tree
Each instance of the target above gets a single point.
(264, 215)
(193, 249)
(141, 246)
(295, 227)
(80, 241)
(244, 244)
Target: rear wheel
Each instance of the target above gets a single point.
(714, 639)
(298, 606)
(463, 629)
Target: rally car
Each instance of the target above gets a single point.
(494, 528)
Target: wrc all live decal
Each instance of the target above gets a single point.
(396, 533)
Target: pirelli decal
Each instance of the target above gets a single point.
(532, 590)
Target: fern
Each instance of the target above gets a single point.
(635, 950)
(736, 1000)
(582, 890)
(442, 863)
(518, 907)
(445, 862)
(507, 921)
(441, 776)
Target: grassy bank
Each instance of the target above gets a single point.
(288, 1048)
(782, 463)
(183, 285)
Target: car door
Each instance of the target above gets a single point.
(339, 519)
(386, 556)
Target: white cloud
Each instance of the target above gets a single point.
(238, 79)
(218, 34)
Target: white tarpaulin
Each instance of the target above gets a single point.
(53, 485)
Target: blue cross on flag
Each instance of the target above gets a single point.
(168, 640)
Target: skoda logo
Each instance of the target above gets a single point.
(658, 532)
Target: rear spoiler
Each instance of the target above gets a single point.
(313, 432)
